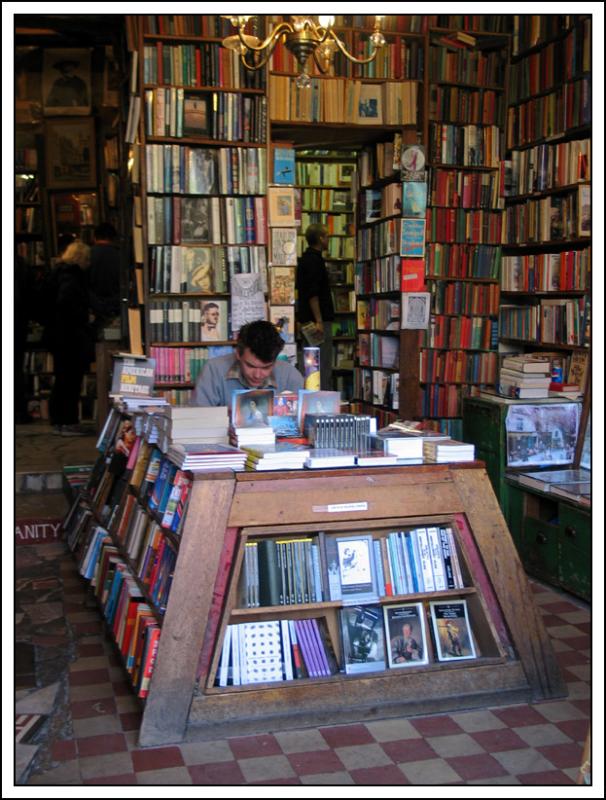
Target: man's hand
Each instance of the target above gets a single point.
(320, 327)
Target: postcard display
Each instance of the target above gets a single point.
(336, 645)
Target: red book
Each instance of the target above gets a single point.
(160, 63)
(412, 275)
(198, 66)
(150, 651)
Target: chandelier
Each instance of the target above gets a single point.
(303, 37)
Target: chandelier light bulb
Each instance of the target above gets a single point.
(303, 81)
(377, 39)
(326, 21)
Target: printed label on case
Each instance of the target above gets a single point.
(339, 507)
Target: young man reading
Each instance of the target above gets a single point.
(252, 365)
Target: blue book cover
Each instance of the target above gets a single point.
(284, 165)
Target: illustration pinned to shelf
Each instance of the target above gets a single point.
(70, 153)
(412, 238)
(284, 246)
(369, 110)
(283, 317)
(413, 163)
(284, 165)
(66, 82)
(196, 119)
(416, 308)
(213, 327)
(345, 173)
(452, 632)
(363, 639)
(407, 639)
(281, 205)
(247, 299)
(282, 286)
(414, 199)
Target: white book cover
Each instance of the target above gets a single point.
(437, 563)
(225, 655)
(428, 576)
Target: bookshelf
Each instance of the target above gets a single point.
(324, 178)
(203, 188)
(546, 269)
(466, 116)
(514, 657)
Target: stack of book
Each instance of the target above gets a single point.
(280, 455)
(525, 375)
(404, 444)
(260, 434)
(442, 451)
(192, 424)
(323, 457)
(206, 456)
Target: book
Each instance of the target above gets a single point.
(250, 408)
(284, 165)
(412, 238)
(532, 362)
(446, 450)
(281, 206)
(377, 458)
(132, 375)
(363, 639)
(311, 334)
(284, 248)
(416, 309)
(399, 443)
(406, 635)
(452, 633)
(357, 571)
(329, 457)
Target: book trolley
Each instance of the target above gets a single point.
(515, 661)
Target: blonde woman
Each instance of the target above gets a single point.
(69, 336)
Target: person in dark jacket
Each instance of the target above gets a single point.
(68, 336)
(104, 276)
(314, 298)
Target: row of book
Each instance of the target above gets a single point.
(378, 275)
(378, 313)
(188, 320)
(547, 166)
(464, 225)
(331, 200)
(444, 400)
(462, 65)
(530, 30)
(344, 101)
(455, 260)
(549, 115)
(457, 297)
(198, 65)
(130, 619)
(553, 321)
(540, 71)
(211, 25)
(336, 224)
(457, 366)
(379, 160)
(568, 270)
(383, 238)
(377, 387)
(201, 269)
(220, 116)
(179, 169)
(206, 220)
(460, 189)
(465, 106)
(180, 364)
(556, 217)
(464, 145)
(467, 333)
(376, 350)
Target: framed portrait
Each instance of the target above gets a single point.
(66, 82)
(70, 153)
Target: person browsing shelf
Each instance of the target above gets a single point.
(315, 298)
(252, 365)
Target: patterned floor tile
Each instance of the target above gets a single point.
(96, 726)
(408, 750)
(90, 708)
(101, 745)
(164, 777)
(157, 758)
(254, 746)
(475, 721)
(364, 755)
(328, 779)
(128, 779)
(315, 761)
(390, 730)
(560, 711)
(206, 752)
(347, 735)
(495, 741)
(563, 755)
(266, 768)
(535, 735)
(458, 744)
(520, 762)
(575, 729)
(436, 726)
(436, 772)
(379, 776)
(111, 764)
(474, 767)
(516, 716)
(551, 777)
(306, 741)
(226, 773)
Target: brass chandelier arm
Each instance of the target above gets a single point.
(348, 55)
(272, 39)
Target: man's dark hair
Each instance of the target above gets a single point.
(262, 339)
(314, 233)
(209, 305)
(106, 232)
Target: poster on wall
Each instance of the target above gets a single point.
(70, 153)
(66, 82)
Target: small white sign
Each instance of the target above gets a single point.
(339, 507)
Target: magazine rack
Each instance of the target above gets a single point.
(516, 662)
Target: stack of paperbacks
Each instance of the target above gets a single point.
(441, 451)
(527, 375)
(280, 455)
(407, 445)
(207, 456)
(192, 424)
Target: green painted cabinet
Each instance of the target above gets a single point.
(553, 537)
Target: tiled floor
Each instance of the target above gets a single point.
(89, 735)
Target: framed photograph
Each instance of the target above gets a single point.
(363, 639)
(452, 633)
(406, 635)
(416, 308)
(196, 116)
(70, 153)
(281, 203)
(66, 82)
(544, 435)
